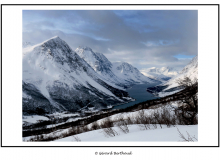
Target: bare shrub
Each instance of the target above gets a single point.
(143, 120)
(129, 120)
(76, 130)
(95, 126)
(107, 122)
(166, 117)
(107, 125)
(85, 128)
(157, 117)
(77, 138)
(153, 122)
(109, 132)
(122, 125)
(188, 139)
(65, 134)
(79, 129)
(174, 120)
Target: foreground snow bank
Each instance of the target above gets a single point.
(136, 134)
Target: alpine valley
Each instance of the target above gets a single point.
(56, 78)
(66, 94)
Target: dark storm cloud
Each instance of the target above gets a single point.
(143, 38)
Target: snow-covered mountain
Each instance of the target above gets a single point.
(190, 70)
(168, 71)
(55, 78)
(129, 73)
(119, 74)
(161, 74)
(171, 86)
(101, 65)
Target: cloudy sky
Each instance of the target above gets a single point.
(143, 38)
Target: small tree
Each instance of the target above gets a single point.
(188, 104)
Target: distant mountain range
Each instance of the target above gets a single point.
(171, 86)
(162, 74)
(119, 74)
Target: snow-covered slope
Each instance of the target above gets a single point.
(55, 78)
(101, 65)
(118, 74)
(161, 74)
(191, 71)
(168, 71)
(96, 60)
(129, 73)
(171, 86)
(135, 134)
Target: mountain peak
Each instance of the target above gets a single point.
(84, 48)
(54, 48)
(55, 43)
(124, 66)
(55, 38)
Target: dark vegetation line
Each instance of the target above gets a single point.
(39, 128)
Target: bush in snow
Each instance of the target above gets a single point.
(122, 124)
(77, 138)
(188, 139)
(142, 120)
(106, 126)
(95, 126)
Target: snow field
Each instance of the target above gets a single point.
(136, 134)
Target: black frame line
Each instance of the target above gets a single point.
(110, 5)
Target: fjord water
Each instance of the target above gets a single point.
(139, 93)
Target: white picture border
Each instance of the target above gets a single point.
(12, 74)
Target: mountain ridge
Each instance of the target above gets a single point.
(109, 71)
(58, 74)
